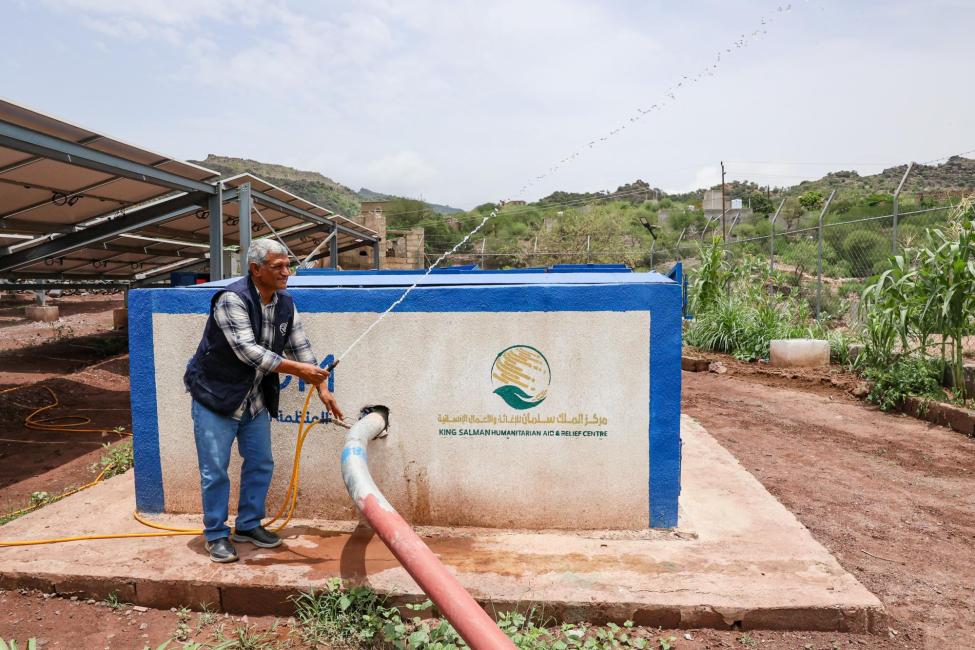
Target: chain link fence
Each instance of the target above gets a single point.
(824, 261)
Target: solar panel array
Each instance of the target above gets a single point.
(79, 205)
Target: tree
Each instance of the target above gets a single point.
(760, 203)
(811, 200)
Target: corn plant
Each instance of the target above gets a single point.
(12, 644)
(928, 290)
(710, 277)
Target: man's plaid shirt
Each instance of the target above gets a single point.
(230, 313)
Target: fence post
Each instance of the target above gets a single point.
(819, 256)
(897, 193)
(771, 246)
(679, 257)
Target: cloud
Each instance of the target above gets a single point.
(705, 177)
(402, 172)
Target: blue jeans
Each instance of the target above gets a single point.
(215, 435)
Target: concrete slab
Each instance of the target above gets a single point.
(739, 559)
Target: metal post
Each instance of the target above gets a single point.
(897, 193)
(588, 254)
(333, 251)
(771, 245)
(216, 234)
(724, 234)
(819, 274)
(653, 245)
(678, 242)
(734, 222)
(375, 255)
(244, 200)
(310, 258)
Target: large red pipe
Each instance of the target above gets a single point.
(468, 618)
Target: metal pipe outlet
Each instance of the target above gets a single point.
(468, 618)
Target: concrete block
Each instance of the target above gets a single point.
(799, 353)
(258, 599)
(43, 313)
(175, 593)
(120, 318)
(968, 370)
(93, 586)
(954, 417)
(694, 364)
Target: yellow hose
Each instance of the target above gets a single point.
(287, 507)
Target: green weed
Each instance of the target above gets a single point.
(116, 459)
(113, 601)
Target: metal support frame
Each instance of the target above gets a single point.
(216, 234)
(897, 193)
(135, 220)
(376, 259)
(305, 263)
(287, 208)
(19, 138)
(333, 250)
(819, 256)
(244, 200)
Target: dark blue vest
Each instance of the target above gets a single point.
(220, 381)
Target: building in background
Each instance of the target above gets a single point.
(399, 249)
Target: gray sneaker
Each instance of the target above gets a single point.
(259, 536)
(221, 550)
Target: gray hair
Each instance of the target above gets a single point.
(259, 249)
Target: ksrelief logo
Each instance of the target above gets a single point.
(521, 376)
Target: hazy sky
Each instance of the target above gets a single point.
(465, 102)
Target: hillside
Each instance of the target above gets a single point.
(956, 174)
(309, 185)
(369, 195)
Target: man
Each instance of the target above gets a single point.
(253, 334)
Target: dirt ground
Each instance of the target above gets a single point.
(890, 496)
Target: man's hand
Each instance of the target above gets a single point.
(328, 400)
(306, 372)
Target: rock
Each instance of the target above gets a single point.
(144, 626)
(861, 390)
(717, 367)
(140, 608)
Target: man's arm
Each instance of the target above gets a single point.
(232, 319)
(299, 347)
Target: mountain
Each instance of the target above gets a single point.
(309, 185)
(369, 195)
(956, 174)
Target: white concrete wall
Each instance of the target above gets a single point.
(432, 367)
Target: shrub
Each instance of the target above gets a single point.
(907, 376)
